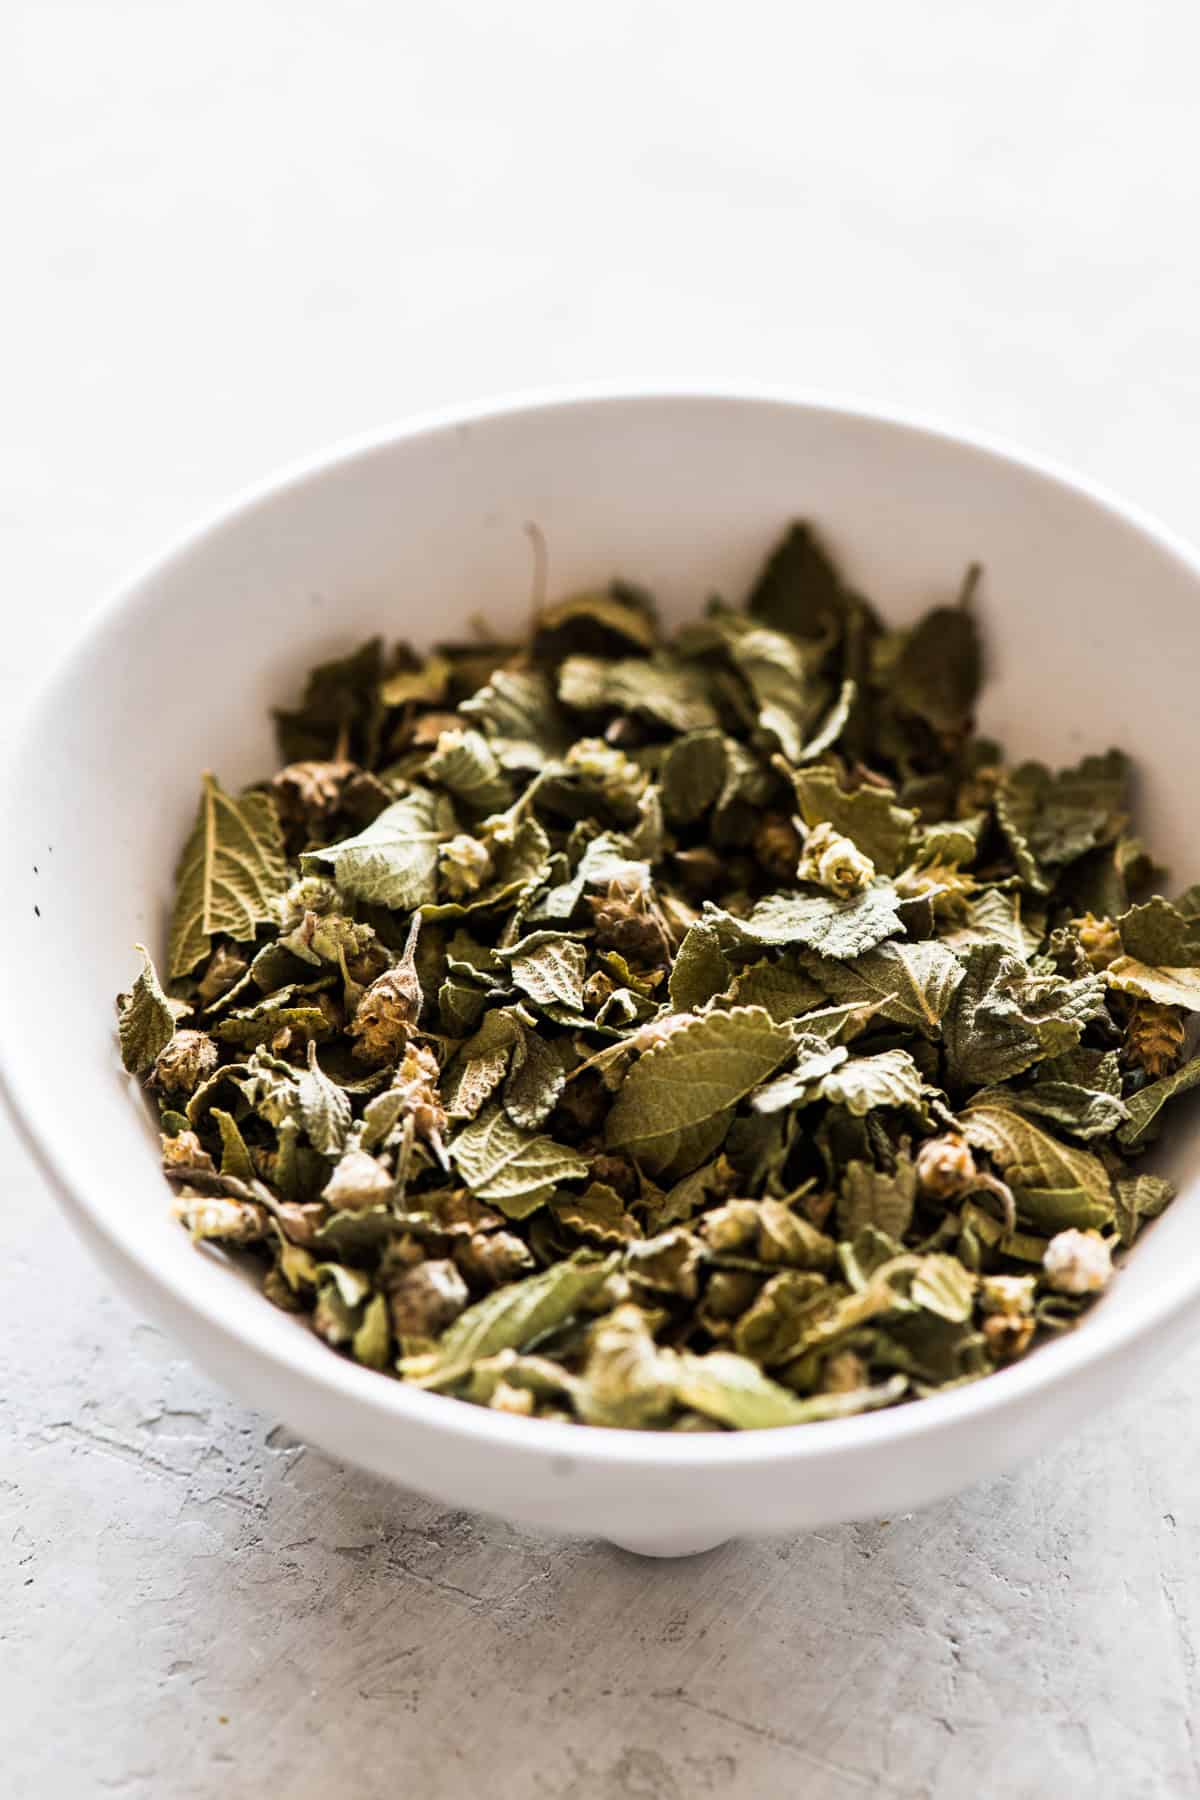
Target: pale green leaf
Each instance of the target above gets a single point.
(145, 1019)
(700, 969)
(706, 1065)
(911, 984)
(513, 1169)
(466, 766)
(1141, 1197)
(864, 1082)
(735, 1392)
(1146, 1105)
(1029, 1157)
(880, 1198)
(324, 1108)
(1170, 987)
(392, 863)
(837, 928)
(659, 687)
(692, 775)
(550, 968)
(515, 1317)
(231, 870)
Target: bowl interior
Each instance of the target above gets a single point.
(1090, 623)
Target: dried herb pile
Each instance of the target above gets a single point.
(688, 1031)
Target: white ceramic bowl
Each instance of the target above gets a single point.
(1091, 621)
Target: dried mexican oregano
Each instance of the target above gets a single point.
(685, 1032)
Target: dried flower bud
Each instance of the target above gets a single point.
(616, 1172)
(515, 1400)
(729, 1292)
(667, 1263)
(606, 768)
(1077, 1262)
(625, 921)
(417, 1079)
(185, 1152)
(424, 1300)
(731, 1227)
(1008, 1336)
(777, 846)
(492, 1258)
(225, 1221)
(358, 1182)
(1154, 1037)
(945, 1167)
(187, 1060)
(947, 886)
(598, 988)
(312, 893)
(1100, 939)
(844, 1372)
(386, 1016)
(1011, 1296)
(464, 865)
(835, 863)
(308, 793)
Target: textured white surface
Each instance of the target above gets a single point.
(235, 232)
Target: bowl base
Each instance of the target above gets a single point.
(669, 1543)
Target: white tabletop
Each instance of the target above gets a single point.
(234, 232)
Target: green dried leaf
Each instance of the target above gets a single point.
(466, 766)
(661, 688)
(692, 775)
(938, 671)
(145, 1019)
(994, 916)
(235, 1158)
(512, 1169)
(1144, 1123)
(1169, 987)
(943, 1286)
(231, 870)
(392, 863)
(516, 1317)
(340, 712)
(1139, 1198)
(324, 1108)
(1061, 817)
(878, 1198)
(911, 984)
(550, 968)
(843, 928)
(706, 1065)
(735, 1392)
(1161, 935)
(700, 970)
(1028, 1157)
(799, 589)
(1003, 1018)
(864, 1082)
(779, 987)
(519, 715)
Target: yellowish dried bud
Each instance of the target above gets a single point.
(1077, 1262)
(188, 1059)
(357, 1183)
(1008, 1337)
(424, 1300)
(945, 1167)
(835, 863)
(844, 1372)
(464, 865)
(1099, 938)
(1008, 1296)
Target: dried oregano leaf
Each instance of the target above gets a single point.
(704, 1066)
(516, 1317)
(145, 1019)
(231, 870)
(394, 861)
(512, 1169)
(704, 1032)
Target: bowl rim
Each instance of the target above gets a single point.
(1060, 1363)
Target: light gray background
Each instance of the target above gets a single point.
(234, 231)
